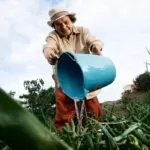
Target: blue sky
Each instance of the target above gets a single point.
(123, 26)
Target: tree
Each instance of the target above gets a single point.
(40, 102)
(142, 82)
(12, 93)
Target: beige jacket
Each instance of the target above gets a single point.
(80, 41)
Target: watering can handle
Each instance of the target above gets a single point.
(53, 68)
(71, 56)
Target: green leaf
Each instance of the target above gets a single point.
(23, 131)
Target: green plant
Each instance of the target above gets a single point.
(21, 130)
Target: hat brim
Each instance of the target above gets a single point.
(50, 23)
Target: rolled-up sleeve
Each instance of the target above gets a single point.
(50, 45)
(50, 42)
(91, 41)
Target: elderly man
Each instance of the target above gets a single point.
(67, 37)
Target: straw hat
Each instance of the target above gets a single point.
(58, 13)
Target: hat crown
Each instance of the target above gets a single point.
(54, 11)
(57, 13)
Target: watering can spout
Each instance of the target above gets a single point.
(80, 74)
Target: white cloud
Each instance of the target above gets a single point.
(23, 29)
(123, 26)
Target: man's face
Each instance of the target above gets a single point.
(63, 26)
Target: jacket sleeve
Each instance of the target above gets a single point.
(51, 44)
(91, 41)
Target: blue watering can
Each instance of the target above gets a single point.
(80, 74)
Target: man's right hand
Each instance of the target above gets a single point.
(51, 55)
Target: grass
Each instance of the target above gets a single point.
(123, 127)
